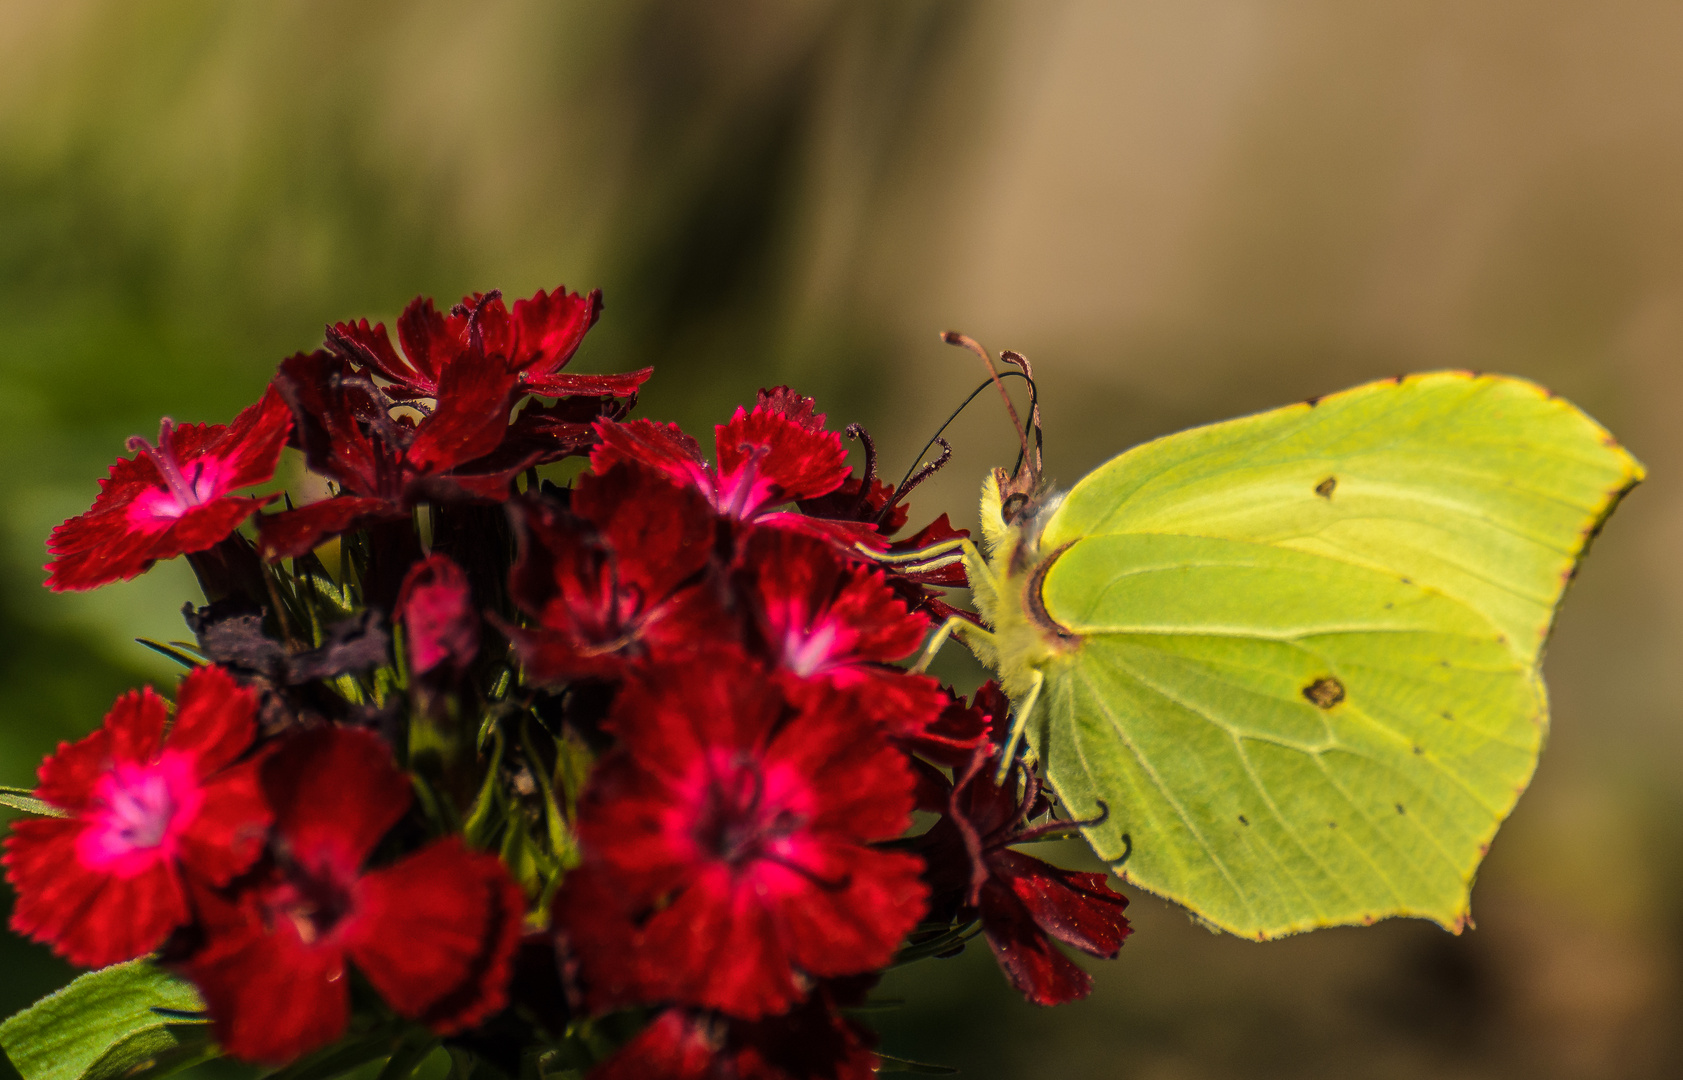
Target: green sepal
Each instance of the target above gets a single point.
(103, 1026)
(175, 650)
(889, 1063)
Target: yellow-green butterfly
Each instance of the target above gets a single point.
(1287, 666)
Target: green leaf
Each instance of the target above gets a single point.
(175, 650)
(341, 1058)
(1292, 659)
(103, 1027)
(22, 799)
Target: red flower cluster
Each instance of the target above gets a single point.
(667, 696)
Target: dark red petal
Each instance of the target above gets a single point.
(1078, 909)
(97, 549)
(436, 932)
(546, 433)
(293, 533)
(953, 736)
(662, 447)
(810, 1042)
(429, 341)
(440, 623)
(601, 944)
(335, 793)
(1030, 961)
(371, 347)
(864, 787)
(470, 419)
(89, 917)
(271, 997)
(215, 718)
(675, 1046)
(777, 458)
(549, 327)
(622, 384)
(321, 391)
(793, 406)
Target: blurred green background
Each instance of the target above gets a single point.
(1179, 211)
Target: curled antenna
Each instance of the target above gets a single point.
(953, 337)
(942, 430)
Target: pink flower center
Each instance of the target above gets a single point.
(183, 489)
(743, 492)
(808, 651)
(138, 813)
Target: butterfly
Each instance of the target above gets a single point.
(1284, 670)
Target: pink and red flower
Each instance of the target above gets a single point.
(839, 626)
(173, 498)
(434, 932)
(777, 453)
(146, 814)
(727, 841)
(619, 578)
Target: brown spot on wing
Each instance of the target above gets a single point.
(1324, 692)
(1325, 488)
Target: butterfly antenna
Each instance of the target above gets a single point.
(1019, 361)
(953, 337)
(906, 482)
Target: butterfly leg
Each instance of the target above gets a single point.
(933, 557)
(956, 624)
(1019, 723)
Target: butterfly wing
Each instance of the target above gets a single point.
(1305, 686)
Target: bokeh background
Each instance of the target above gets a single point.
(1180, 211)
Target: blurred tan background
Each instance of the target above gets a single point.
(1179, 211)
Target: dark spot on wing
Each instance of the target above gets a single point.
(1332, 824)
(1400, 809)
(1243, 820)
(1312, 402)
(1325, 487)
(1419, 750)
(1324, 692)
(1405, 581)
(1446, 715)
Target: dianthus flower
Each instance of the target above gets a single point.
(145, 812)
(619, 576)
(775, 454)
(810, 1042)
(838, 625)
(535, 342)
(727, 857)
(172, 498)
(1024, 902)
(433, 932)
(385, 463)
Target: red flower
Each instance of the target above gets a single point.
(434, 932)
(146, 811)
(620, 578)
(727, 858)
(171, 499)
(386, 463)
(535, 342)
(778, 453)
(809, 1043)
(1024, 902)
(838, 625)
